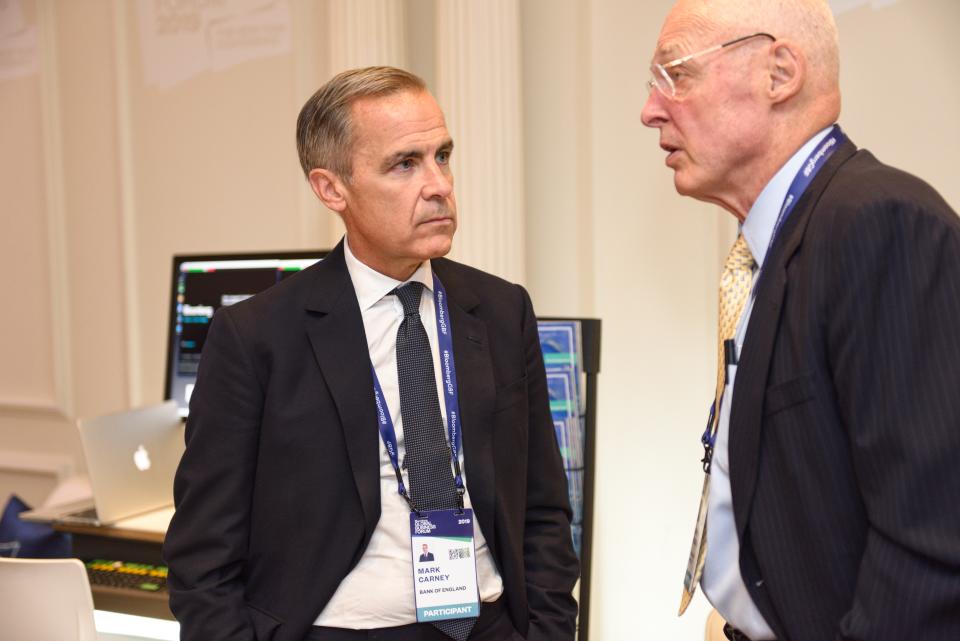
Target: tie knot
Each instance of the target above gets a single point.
(409, 296)
(740, 256)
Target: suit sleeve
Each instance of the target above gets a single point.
(550, 564)
(206, 543)
(895, 346)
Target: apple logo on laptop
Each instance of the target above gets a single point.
(141, 458)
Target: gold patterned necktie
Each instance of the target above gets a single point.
(735, 284)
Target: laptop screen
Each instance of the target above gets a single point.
(203, 284)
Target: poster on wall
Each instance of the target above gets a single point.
(180, 40)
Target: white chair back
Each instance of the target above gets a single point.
(45, 600)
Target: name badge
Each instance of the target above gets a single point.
(444, 565)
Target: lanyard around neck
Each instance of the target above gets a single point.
(451, 399)
(801, 181)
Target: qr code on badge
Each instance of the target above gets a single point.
(459, 553)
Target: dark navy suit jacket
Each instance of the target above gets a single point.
(845, 420)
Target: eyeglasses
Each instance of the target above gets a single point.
(664, 77)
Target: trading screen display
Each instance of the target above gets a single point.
(201, 286)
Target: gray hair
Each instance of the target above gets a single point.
(324, 126)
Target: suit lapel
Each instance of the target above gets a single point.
(475, 383)
(335, 329)
(746, 411)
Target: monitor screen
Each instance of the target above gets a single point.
(201, 286)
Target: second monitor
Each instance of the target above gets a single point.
(203, 284)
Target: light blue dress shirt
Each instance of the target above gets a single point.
(721, 580)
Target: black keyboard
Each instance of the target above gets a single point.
(131, 576)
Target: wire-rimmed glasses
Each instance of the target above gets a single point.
(664, 77)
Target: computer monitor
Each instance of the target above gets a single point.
(201, 286)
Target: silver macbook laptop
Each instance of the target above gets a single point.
(131, 460)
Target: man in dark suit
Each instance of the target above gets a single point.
(426, 555)
(285, 469)
(830, 496)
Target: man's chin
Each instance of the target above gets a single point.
(439, 246)
(684, 185)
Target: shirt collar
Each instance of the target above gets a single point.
(758, 227)
(371, 285)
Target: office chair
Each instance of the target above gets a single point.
(45, 600)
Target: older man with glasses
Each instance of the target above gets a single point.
(829, 503)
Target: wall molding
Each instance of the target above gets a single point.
(310, 64)
(33, 408)
(61, 404)
(33, 476)
(59, 466)
(128, 203)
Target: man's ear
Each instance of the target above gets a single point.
(329, 188)
(788, 70)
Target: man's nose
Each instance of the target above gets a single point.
(439, 182)
(654, 113)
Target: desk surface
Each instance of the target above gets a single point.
(155, 522)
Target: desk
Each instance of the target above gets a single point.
(128, 544)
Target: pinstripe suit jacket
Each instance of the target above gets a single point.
(845, 423)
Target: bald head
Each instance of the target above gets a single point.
(750, 81)
(808, 24)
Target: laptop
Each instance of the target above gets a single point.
(131, 460)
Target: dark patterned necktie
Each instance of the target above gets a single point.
(427, 457)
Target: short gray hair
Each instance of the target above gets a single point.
(324, 127)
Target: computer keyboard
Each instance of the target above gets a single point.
(132, 576)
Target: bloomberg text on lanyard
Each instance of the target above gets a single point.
(808, 171)
(450, 396)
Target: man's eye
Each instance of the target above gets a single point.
(405, 164)
(443, 157)
(677, 73)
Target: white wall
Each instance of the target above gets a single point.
(901, 86)
(609, 238)
(100, 172)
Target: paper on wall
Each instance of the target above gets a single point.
(181, 39)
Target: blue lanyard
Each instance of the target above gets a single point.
(451, 399)
(808, 171)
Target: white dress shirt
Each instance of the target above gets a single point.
(721, 580)
(379, 591)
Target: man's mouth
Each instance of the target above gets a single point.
(671, 150)
(436, 220)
